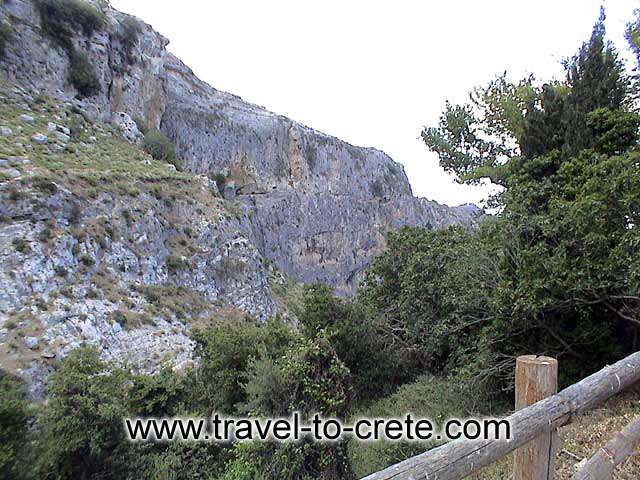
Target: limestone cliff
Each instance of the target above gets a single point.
(100, 243)
(317, 206)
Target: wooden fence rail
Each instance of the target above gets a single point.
(614, 453)
(460, 458)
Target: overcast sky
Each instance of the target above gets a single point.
(375, 72)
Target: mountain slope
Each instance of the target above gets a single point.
(102, 244)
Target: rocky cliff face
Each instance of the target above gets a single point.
(317, 206)
(296, 201)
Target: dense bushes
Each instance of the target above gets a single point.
(82, 74)
(437, 398)
(359, 339)
(6, 35)
(160, 147)
(128, 32)
(61, 20)
(80, 434)
(555, 272)
(226, 352)
(14, 429)
(89, 442)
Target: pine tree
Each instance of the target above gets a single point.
(597, 80)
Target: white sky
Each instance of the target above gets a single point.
(375, 72)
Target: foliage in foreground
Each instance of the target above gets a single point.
(556, 271)
(14, 433)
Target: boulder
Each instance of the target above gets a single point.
(26, 118)
(40, 139)
(63, 137)
(128, 127)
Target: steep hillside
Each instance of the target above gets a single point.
(102, 244)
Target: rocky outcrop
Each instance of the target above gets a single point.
(316, 206)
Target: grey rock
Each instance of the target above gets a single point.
(48, 354)
(230, 191)
(12, 172)
(6, 132)
(40, 138)
(26, 118)
(31, 342)
(128, 127)
(63, 137)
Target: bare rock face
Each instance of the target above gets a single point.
(315, 205)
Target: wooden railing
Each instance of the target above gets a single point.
(535, 423)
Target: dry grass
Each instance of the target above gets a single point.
(583, 437)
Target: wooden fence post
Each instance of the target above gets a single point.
(536, 379)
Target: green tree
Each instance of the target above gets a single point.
(308, 378)
(81, 432)
(225, 352)
(505, 122)
(15, 415)
(358, 337)
(561, 252)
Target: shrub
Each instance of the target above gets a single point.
(92, 293)
(62, 18)
(14, 428)
(21, 245)
(308, 378)
(355, 333)
(80, 428)
(44, 184)
(82, 74)
(160, 147)
(142, 125)
(120, 318)
(302, 460)
(225, 351)
(377, 189)
(75, 214)
(429, 397)
(128, 34)
(221, 181)
(87, 261)
(10, 325)
(6, 35)
(45, 234)
(77, 126)
(60, 271)
(128, 218)
(175, 263)
(157, 395)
